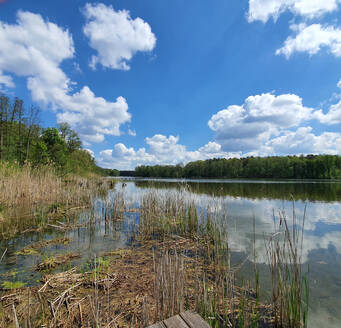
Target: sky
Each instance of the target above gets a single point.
(147, 82)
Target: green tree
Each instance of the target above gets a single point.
(56, 146)
(71, 138)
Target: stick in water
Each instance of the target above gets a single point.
(3, 255)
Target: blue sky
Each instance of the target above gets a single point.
(171, 81)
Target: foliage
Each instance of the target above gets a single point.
(286, 167)
(22, 140)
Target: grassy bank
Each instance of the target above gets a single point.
(28, 185)
(179, 259)
(34, 198)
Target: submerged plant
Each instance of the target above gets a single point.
(13, 284)
(27, 251)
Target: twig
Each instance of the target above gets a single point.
(80, 313)
(3, 255)
(61, 223)
(113, 321)
(29, 311)
(60, 298)
(55, 226)
(15, 317)
(7, 296)
(42, 289)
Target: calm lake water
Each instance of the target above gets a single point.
(246, 202)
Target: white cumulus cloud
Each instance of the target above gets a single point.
(275, 125)
(35, 48)
(304, 141)
(264, 9)
(332, 117)
(247, 127)
(161, 150)
(116, 36)
(6, 80)
(311, 39)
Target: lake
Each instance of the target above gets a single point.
(252, 207)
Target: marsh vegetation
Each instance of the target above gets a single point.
(158, 252)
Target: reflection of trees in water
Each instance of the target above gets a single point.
(299, 191)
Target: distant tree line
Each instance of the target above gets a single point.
(285, 167)
(23, 140)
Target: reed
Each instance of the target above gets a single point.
(211, 287)
(290, 289)
(33, 186)
(169, 284)
(163, 215)
(219, 298)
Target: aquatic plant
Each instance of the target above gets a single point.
(290, 288)
(169, 284)
(50, 262)
(13, 284)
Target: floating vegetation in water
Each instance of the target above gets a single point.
(38, 220)
(12, 273)
(34, 249)
(50, 262)
(13, 284)
(139, 287)
(66, 226)
(27, 251)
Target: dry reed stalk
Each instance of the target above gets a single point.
(169, 284)
(27, 185)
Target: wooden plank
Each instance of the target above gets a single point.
(186, 319)
(157, 325)
(175, 322)
(194, 320)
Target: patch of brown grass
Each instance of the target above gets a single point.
(28, 185)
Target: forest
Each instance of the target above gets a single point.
(24, 140)
(274, 167)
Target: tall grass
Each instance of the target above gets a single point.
(290, 289)
(171, 213)
(28, 185)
